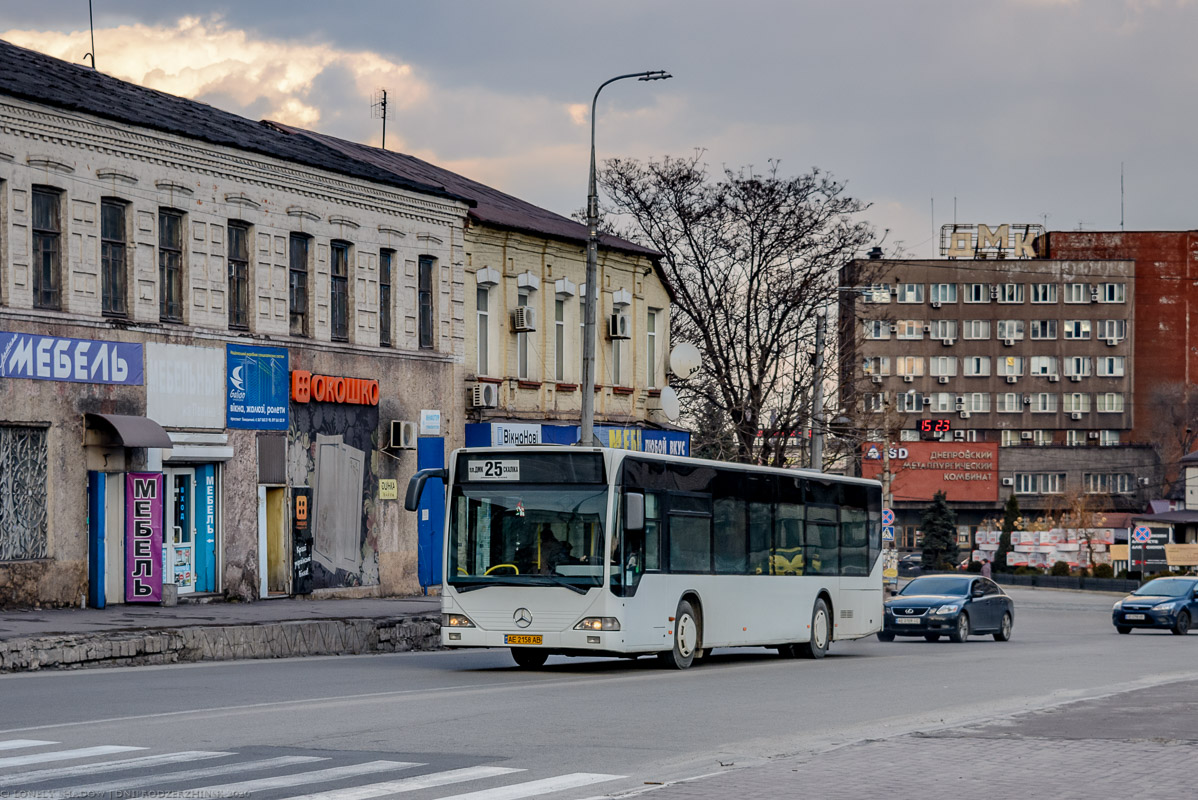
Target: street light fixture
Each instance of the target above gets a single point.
(587, 432)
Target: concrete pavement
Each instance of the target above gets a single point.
(124, 635)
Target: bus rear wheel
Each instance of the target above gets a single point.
(821, 632)
(687, 636)
(529, 658)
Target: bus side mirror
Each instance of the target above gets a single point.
(634, 511)
(411, 500)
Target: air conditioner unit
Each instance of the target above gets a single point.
(964, 415)
(403, 435)
(619, 326)
(935, 304)
(1112, 341)
(1027, 400)
(1075, 415)
(1012, 378)
(942, 379)
(927, 401)
(927, 328)
(993, 292)
(948, 342)
(894, 328)
(1025, 434)
(959, 435)
(876, 379)
(1092, 434)
(1094, 296)
(1008, 481)
(1054, 378)
(1142, 481)
(1075, 378)
(894, 289)
(524, 319)
(908, 378)
(484, 395)
(1008, 342)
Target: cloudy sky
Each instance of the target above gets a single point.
(1007, 111)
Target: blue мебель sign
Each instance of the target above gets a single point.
(55, 358)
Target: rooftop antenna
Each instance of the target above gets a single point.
(380, 110)
(92, 25)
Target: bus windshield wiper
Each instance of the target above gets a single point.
(559, 581)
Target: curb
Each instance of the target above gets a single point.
(221, 643)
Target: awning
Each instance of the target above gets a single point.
(129, 431)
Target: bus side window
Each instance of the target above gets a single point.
(760, 538)
(652, 540)
(730, 536)
(788, 540)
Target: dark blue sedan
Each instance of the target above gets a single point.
(932, 606)
(1170, 603)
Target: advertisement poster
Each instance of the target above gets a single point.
(143, 537)
(52, 358)
(964, 471)
(301, 541)
(256, 386)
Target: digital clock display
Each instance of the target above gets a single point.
(929, 428)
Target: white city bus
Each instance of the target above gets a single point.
(594, 551)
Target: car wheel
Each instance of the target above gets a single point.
(932, 637)
(1182, 626)
(529, 658)
(1004, 630)
(885, 636)
(821, 632)
(961, 632)
(686, 639)
(1123, 628)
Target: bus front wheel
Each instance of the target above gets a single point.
(687, 636)
(821, 632)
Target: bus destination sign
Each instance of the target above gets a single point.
(493, 469)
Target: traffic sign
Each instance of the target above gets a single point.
(1141, 535)
(887, 516)
(888, 533)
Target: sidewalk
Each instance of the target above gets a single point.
(124, 635)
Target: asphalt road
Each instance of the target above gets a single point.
(577, 728)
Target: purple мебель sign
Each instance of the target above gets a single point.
(55, 358)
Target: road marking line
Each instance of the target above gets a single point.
(170, 777)
(429, 781)
(17, 744)
(534, 788)
(107, 766)
(64, 755)
(299, 779)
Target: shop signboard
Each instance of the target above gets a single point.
(301, 540)
(55, 358)
(185, 386)
(673, 443)
(964, 471)
(143, 537)
(256, 384)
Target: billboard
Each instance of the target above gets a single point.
(185, 386)
(56, 358)
(964, 471)
(143, 537)
(256, 384)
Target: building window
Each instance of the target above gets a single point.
(976, 329)
(425, 269)
(909, 329)
(944, 292)
(1108, 438)
(876, 365)
(114, 281)
(1075, 403)
(47, 248)
(1042, 329)
(1044, 365)
(977, 402)
(1112, 329)
(239, 276)
(386, 260)
(942, 329)
(297, 290)
(1075, 438)
(1008, 438)
(942, 366)
(170, 266)
(522, 340)
(1010, 293)
(1010, 329)
(1044, 292)
(908, 401)
(976, 366)
(1077, 365)
(1041, 438)
(1109, 483)
(1110, 403)
(878, 293)
(559, 343)
(1111, 366)
(339, 291)
(1077, 293)
(23, 503)
(941, 401)
(1113, 293)
(1039, 482)
(483, 294)
(875, 402)
(874, 329)
(908, 365)
(1010, 365)
(977, 293)
(651, 349)
(1077, 329)
(1009, 403)
(910, 293)
(1044, 403)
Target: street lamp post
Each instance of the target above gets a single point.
(587, 432)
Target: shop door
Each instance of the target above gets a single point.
(179, 539)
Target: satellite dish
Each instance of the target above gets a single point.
(669, 404)
(685, 360)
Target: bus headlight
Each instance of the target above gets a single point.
(598, 624)
(456, 621)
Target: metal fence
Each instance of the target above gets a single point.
(1067, 582)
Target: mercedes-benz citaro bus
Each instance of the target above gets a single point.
(602, 552)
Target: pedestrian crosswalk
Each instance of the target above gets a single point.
(324, 775)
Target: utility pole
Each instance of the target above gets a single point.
(379, 108)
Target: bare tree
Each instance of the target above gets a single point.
(751, 257)
(1173, 411)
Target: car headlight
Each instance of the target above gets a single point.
(456, 621)
(1118, 605)
(952, 608)
(1167, 606)
(598, 624)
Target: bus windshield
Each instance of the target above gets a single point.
(527, 535)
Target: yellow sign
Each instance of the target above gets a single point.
(890, 573)
(1118, 552)
(388, 489)
(1181, 555)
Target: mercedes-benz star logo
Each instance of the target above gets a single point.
(522, 617)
